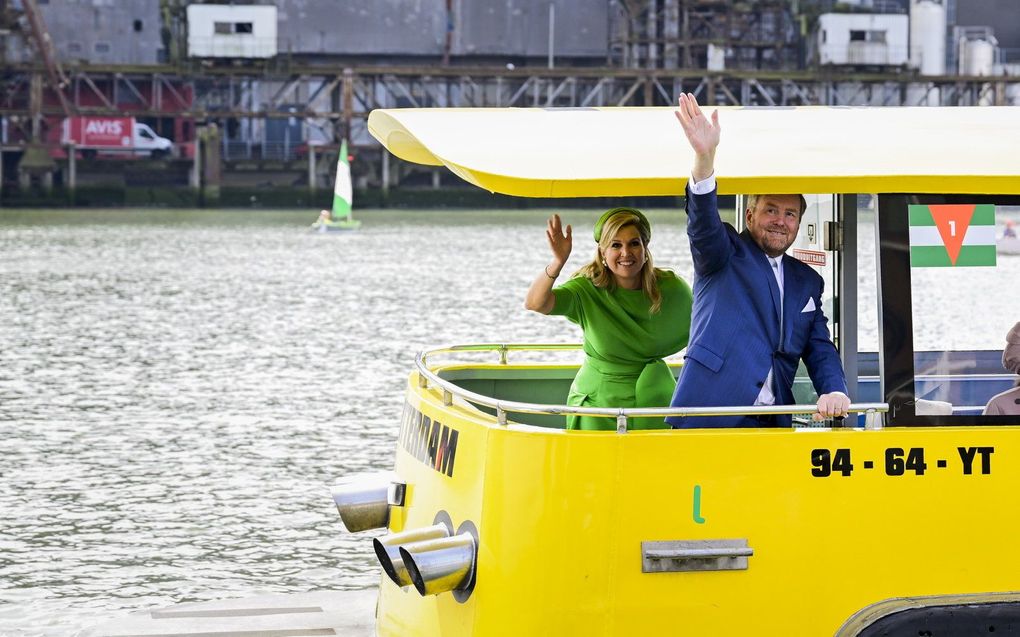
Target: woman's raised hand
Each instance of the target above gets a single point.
(560, 242)
(540, 296)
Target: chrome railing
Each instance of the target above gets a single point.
(427, 376)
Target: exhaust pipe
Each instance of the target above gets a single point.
(362, 500)
(441, 565)
(387, 549)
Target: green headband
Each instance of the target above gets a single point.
(642, 221)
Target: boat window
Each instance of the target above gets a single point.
(949, 268)
(868, 386)
(857, 223)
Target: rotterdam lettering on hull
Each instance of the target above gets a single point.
(430, 441)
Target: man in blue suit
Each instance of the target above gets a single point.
(757, 313)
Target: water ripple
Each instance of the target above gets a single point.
(177, 390)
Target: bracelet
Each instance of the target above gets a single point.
(546, 270)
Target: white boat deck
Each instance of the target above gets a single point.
(346, 613)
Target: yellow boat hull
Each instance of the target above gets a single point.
(838, 521)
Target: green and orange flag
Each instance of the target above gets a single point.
(952, 235)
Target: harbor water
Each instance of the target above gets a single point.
(178, 388)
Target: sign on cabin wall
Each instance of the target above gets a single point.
(952, 235)
(810, 257)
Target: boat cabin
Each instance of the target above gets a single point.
(495, 520)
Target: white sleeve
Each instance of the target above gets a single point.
(702, 187)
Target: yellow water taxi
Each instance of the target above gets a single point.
(495, 520)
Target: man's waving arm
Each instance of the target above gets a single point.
(710, 247)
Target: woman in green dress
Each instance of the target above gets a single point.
(632, 315)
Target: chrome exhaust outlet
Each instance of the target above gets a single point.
(445, 564)
(362, 500)
(387, 549)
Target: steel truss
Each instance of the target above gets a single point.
(345, 97)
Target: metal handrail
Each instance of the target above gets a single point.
(426, 376)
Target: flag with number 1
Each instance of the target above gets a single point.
(952, 235)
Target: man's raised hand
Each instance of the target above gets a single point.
(702, 133)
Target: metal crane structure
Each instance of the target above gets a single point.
(40, 38)
(36, 161)
(675, 34)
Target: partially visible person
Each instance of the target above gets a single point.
(325, 216)
(1010, 230)
(757, 312)
(1008, 402)
(632, 315)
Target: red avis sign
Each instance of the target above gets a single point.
(107, 132)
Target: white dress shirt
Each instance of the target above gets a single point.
(702, 187)
(766, 396)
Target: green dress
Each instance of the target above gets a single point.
(624, 345)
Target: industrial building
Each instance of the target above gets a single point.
(258, 94)
(90, 32)
(604, 33)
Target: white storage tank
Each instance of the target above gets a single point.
(716, 57)
(231, 31)
(1013, 94)
(928, 37)
(977, 57)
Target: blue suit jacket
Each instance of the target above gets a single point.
(735, 326)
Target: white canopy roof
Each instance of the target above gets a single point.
(582, 152)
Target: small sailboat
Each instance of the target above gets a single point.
(340, 217)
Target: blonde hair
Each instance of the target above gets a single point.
(602, 277)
